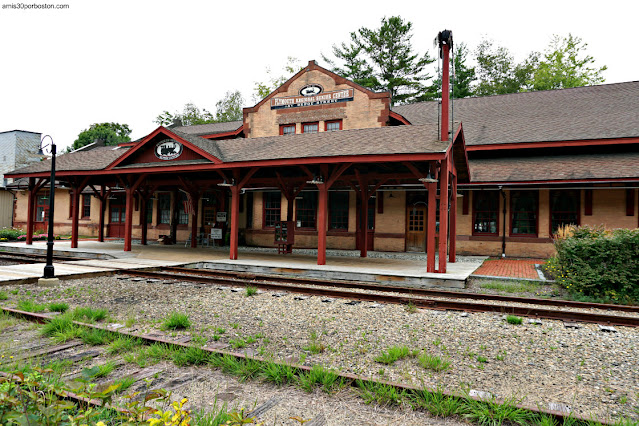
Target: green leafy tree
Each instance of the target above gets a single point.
(230, 107)
(497, 72)
(383, 59)
(565, 64)
(110, 133)
(464, 75)
(264, 88)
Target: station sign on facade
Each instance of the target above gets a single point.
(168, 149)
(312, 95)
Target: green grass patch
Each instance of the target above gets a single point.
(515, 320)
(89, 314)
(380, 393)
(96, 336)
(125, 383)
(251, 291)
(433, 362)
(395, 353)
(29, 305)
(511, 287)
(176, 321)
(3, 295)
(279, 374)
(319, 376)
(59, 324)
(58, 307)
(123, 344)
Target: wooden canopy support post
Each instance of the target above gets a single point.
(452, 250)
(322, 213)
(235, 207)
(128, 224)
(144, 194)
(103, 196)
(365, 194)
(194, 198)
(432, 226)
(444, 205)
(75, 204)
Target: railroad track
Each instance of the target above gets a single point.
(79, 354)
(420, 298)
(34, 258)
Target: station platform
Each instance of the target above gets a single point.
(402, 269)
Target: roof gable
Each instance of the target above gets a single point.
(164, 146)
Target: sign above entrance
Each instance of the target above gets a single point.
(311, 99)
(311, 90)
(168, 149)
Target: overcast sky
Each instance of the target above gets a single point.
(127, 61)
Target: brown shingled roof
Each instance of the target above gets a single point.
(209, 129)
(375, 141)
(559, 167)
(94, 159)
(594, 112)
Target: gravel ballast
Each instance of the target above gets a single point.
(594, 372)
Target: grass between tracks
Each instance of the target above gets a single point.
(485, 412)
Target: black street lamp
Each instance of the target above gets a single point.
(47, 149)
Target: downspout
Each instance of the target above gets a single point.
(503, 238)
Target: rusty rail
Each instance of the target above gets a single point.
(419, 302)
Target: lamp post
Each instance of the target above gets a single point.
(49, 273)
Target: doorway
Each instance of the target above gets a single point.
(371, 224)
(117, 216)
(42, 213)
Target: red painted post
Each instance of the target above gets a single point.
(235, 219)
(322, 214)
(364, 211)
(74, 217)
(101, 219)
(143, 213)
(445, 93)
(443, 216)
(30, 208)
(128, 224)
(430, 235)
(195, 201)
(452, 250)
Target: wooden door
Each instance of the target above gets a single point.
(117, 216)
(416, 226)
(41, 222)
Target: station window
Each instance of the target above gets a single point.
(338, 211)
(149, 211)
(183, 216)
(310, 127)
(272, 208)
(485, 213)
(564, 209)
(164, 208)
(523, 213)
(306, 210)
(333, 125)
(287, 129)
(42, 207)
(86, 206)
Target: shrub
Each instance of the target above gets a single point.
(11, 234)
(598, 263)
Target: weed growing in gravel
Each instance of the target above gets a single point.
(314, 346)
(95, 336)
(329, 380)
(67, 334)
(124, 383)
(14, 292)
(512, 319)
(411, 308)
(481, 359)
(3, 295)
(59, 324)
(235, 325)
(89, 314)
(512, 287)
(177, 321)
(435, 402)
(432, 362)
(380, 393)
(280, 374)
(251, 291)
(395, 353)
(6, 320)
(104, 369)
(123, 344)
(219, 330)
(238, 343)
(130, 321)
(190, 356)
(199, 340)
(59, 366)
(58, 307)
(492, 412)
(29, 305)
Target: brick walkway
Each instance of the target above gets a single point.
(512, 268)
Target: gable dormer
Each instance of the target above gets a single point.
(319, 99)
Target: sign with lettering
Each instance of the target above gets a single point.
(216, 233)
(168, 149)
(344, 95)
(221, 217)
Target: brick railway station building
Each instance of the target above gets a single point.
(338, 167)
